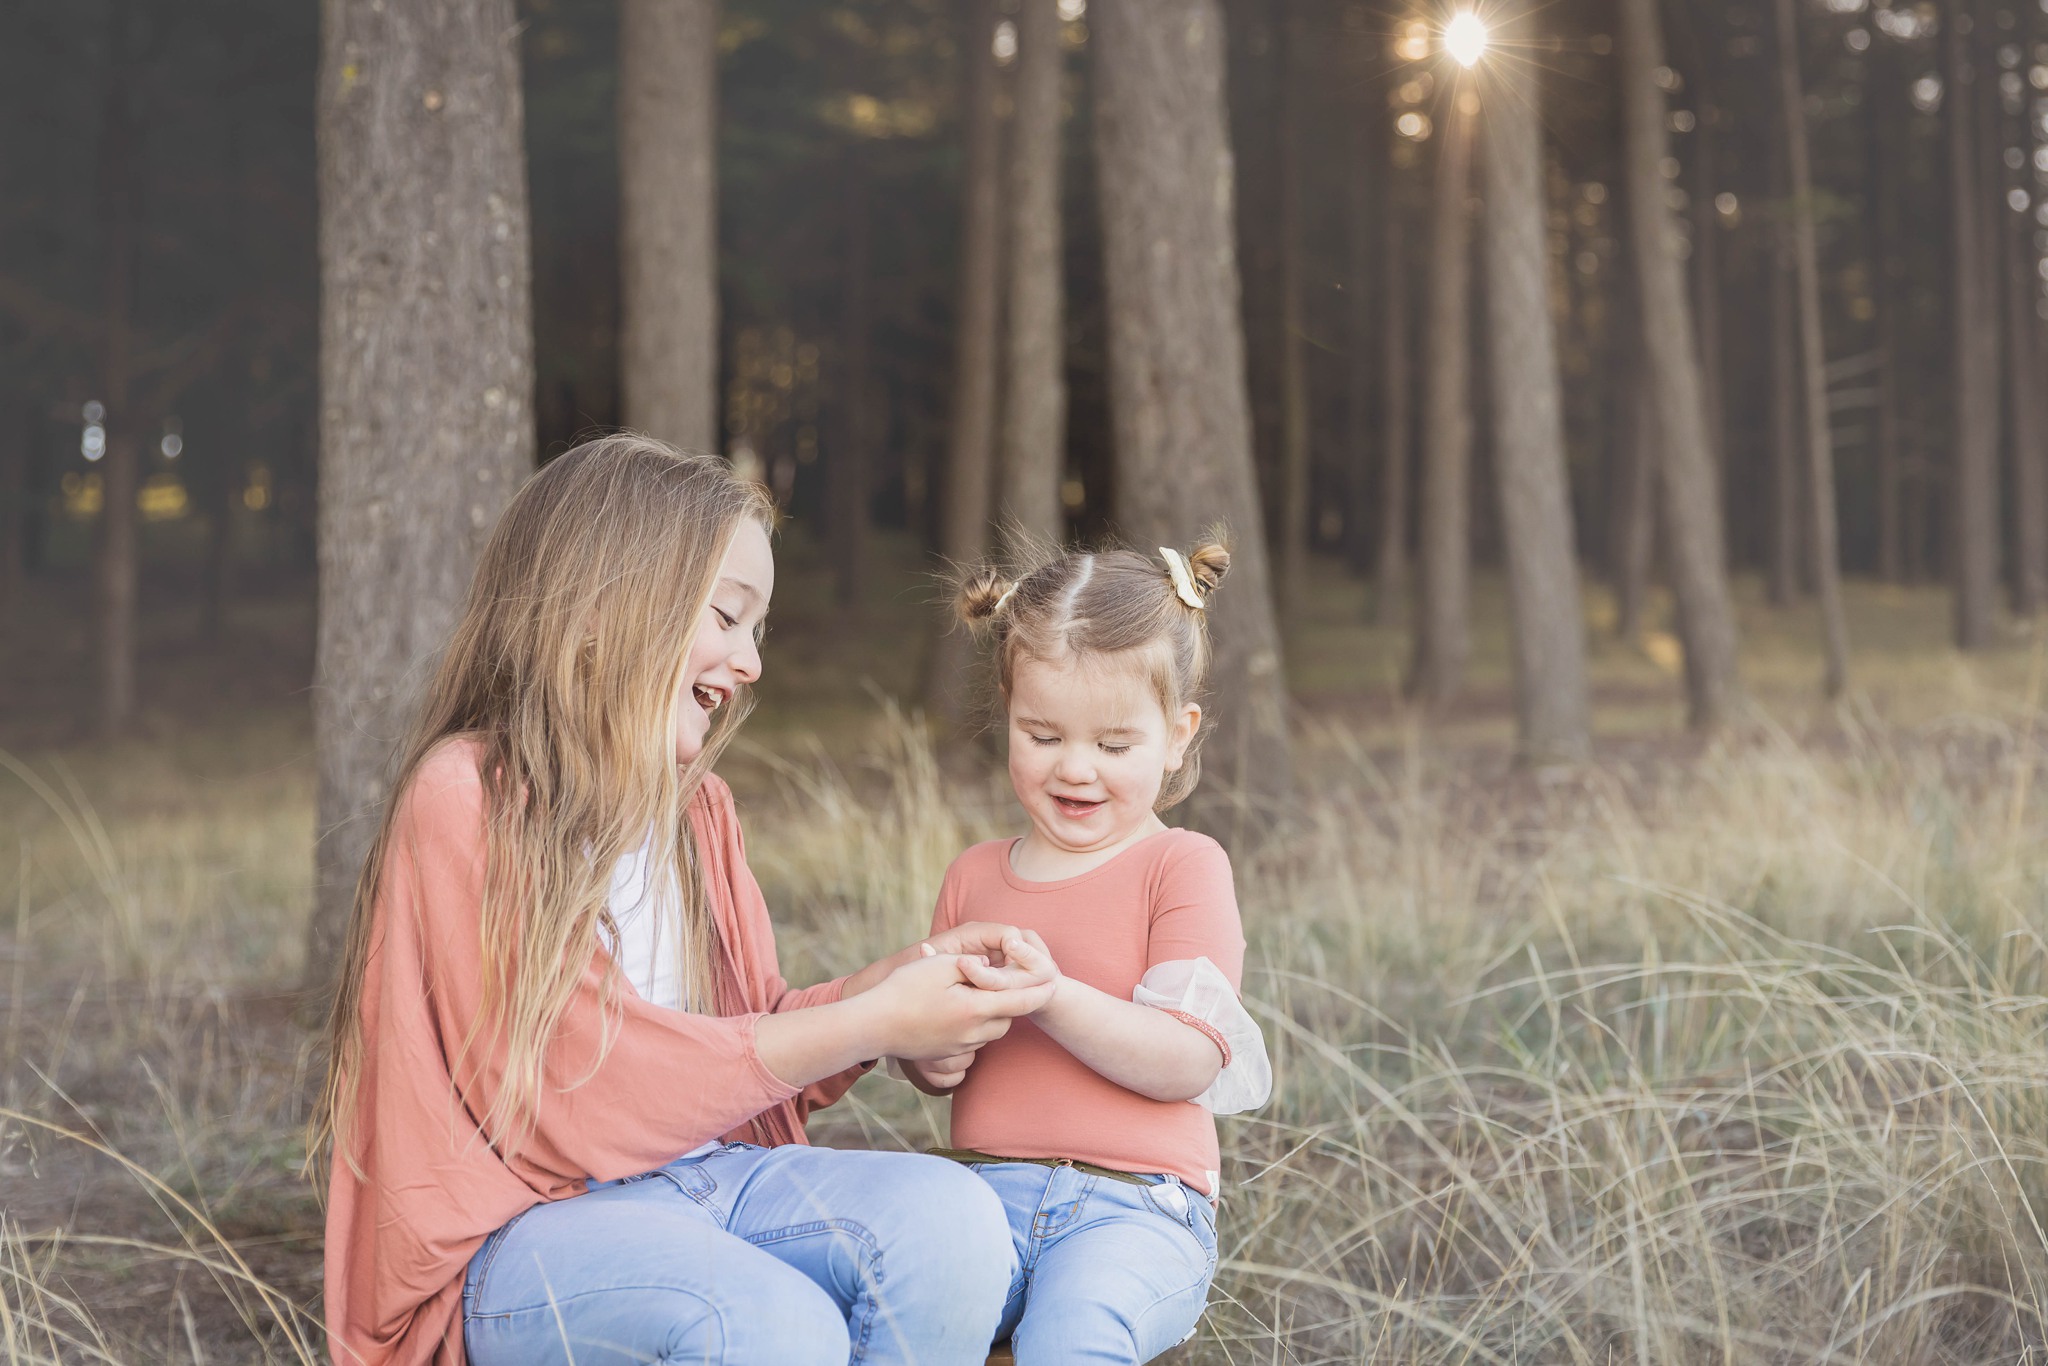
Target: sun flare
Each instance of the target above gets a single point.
(1465, 38)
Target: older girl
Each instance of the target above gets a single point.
(1091, 1118)
(568, 1083)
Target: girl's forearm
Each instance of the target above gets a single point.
(807, 1045)
(1137, 1047)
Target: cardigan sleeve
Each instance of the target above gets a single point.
(626, 1085)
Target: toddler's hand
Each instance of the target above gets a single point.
(1026, 965)
(940, 1074)
(974, 936)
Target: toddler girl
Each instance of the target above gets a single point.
(1092, 1118)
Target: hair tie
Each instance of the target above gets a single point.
(1004, 600)
(1183, 581)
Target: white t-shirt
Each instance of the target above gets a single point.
(650, 922)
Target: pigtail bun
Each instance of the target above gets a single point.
(982, 594)
(1208, 563)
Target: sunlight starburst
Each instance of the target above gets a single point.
(1465, 38)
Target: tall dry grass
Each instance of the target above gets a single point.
(1737, 1059)
(1733, 1056)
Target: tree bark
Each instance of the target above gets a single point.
(847, 468)
(14, 457)
(115, 551)
(1886, 143)
(1366, 203)
(2023, 400)
(216, 493)
(213, 480)
(1252, 108)
(1695, 550)
(668, 219)
(1632, 464)
(1176, 364)
(1293, 518)
(1396, 422)
(1973, 481)
(426, 378)
(1639, 517)
(1820, 458)
(970, 447)
(1706, 271)
(1035, 397)
(1785, 578)
(1546, 623)
(1442, 632)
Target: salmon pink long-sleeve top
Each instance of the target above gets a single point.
(1167, 898)
(426, 1186)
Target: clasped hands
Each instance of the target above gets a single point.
(985, 975)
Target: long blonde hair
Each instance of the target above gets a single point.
(566, 669)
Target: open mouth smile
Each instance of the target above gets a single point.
(1070, 806)
(710, 699)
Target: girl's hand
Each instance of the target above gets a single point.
(932, 1009)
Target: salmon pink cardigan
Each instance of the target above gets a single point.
(426, 1187)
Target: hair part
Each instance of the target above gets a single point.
(566, 667)
(1100, 605)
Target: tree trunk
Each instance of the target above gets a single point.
(1706, 270)
(1887, 136)
(114, 558)
(1548, 629)
(1035, 398)
(1687, 483)
(14, 457)
(426, 378)
(1442, 634)
(1784, 579)
(668, 219)
(220, 495)
(847, 468)
(1293, 518)
(1252, 109)
(1820, 458)
(1632, 463)
(2023, 398)
(1396, 424)
(213, 480)
(1365, 204)
(1973, 474)
(1176, 363)
(1639, 518)
(963, 523)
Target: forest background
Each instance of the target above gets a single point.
(1630, 427)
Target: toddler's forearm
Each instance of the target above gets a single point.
(1137, 1047)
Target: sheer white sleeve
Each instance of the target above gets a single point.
(1196, 992)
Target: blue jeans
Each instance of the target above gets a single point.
(747, 1256)
(1107, 1270)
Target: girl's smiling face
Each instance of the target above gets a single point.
(726, 652)
(1090, 746)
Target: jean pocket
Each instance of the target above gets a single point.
(692, 1180)
(1173, 1201)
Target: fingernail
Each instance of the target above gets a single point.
(927, 950)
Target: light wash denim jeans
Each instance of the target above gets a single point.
(1107, 1270)
(747, 1256)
